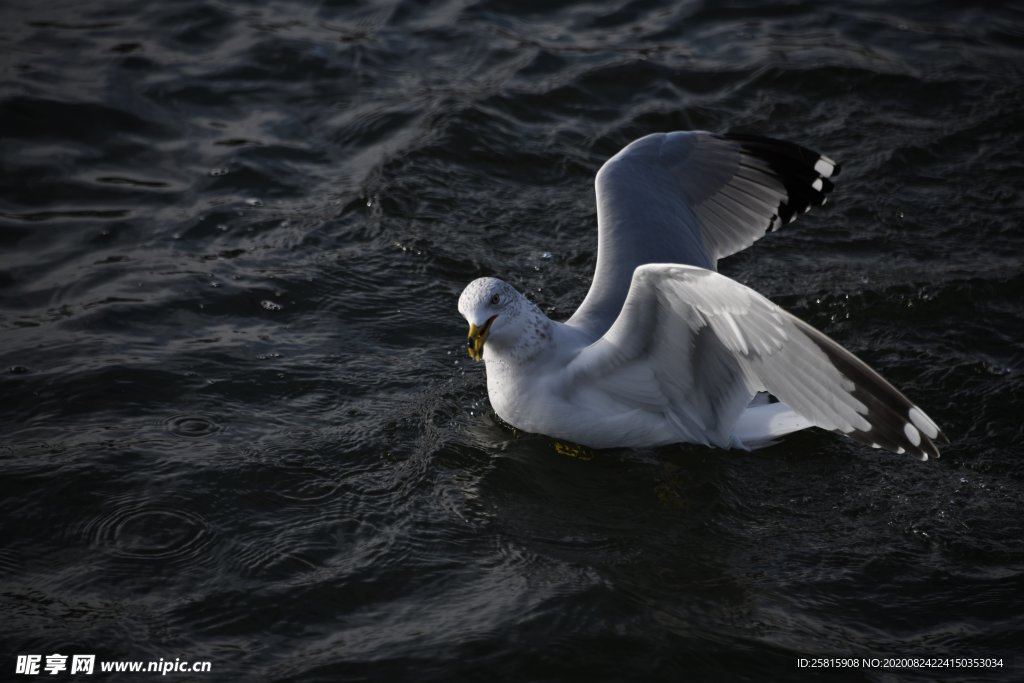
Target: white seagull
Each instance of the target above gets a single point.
(666, 350)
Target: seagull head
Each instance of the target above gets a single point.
(497, 315)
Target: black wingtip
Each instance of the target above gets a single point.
(894, 423)
(805, 174)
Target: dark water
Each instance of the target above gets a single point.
(237, 420)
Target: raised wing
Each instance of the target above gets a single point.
(705, 344)
(692, 198)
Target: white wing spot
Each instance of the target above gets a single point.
(913, 435)
(817, 184)
(923, 422)
(824, 166)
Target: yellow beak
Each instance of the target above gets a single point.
(476, 338)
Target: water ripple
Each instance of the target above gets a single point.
(149, 532)
(233, 239)
(308, 490)
(191, 426)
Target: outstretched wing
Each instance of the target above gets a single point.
(692, 198)
(705, 344)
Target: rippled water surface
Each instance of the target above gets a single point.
(237, 420)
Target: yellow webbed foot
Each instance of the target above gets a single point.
(573, 450)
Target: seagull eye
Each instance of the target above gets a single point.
(495, 300)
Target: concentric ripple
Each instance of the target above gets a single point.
(191, 426)
(158, 532)
(309, 490)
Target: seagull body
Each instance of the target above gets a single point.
(666, 350)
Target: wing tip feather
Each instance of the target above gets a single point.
(895, 423)
(804, 174)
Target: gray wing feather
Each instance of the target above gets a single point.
(709, 344)
(692, 198)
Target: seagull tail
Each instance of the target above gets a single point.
(761, 425)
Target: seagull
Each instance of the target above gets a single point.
(664, 349)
